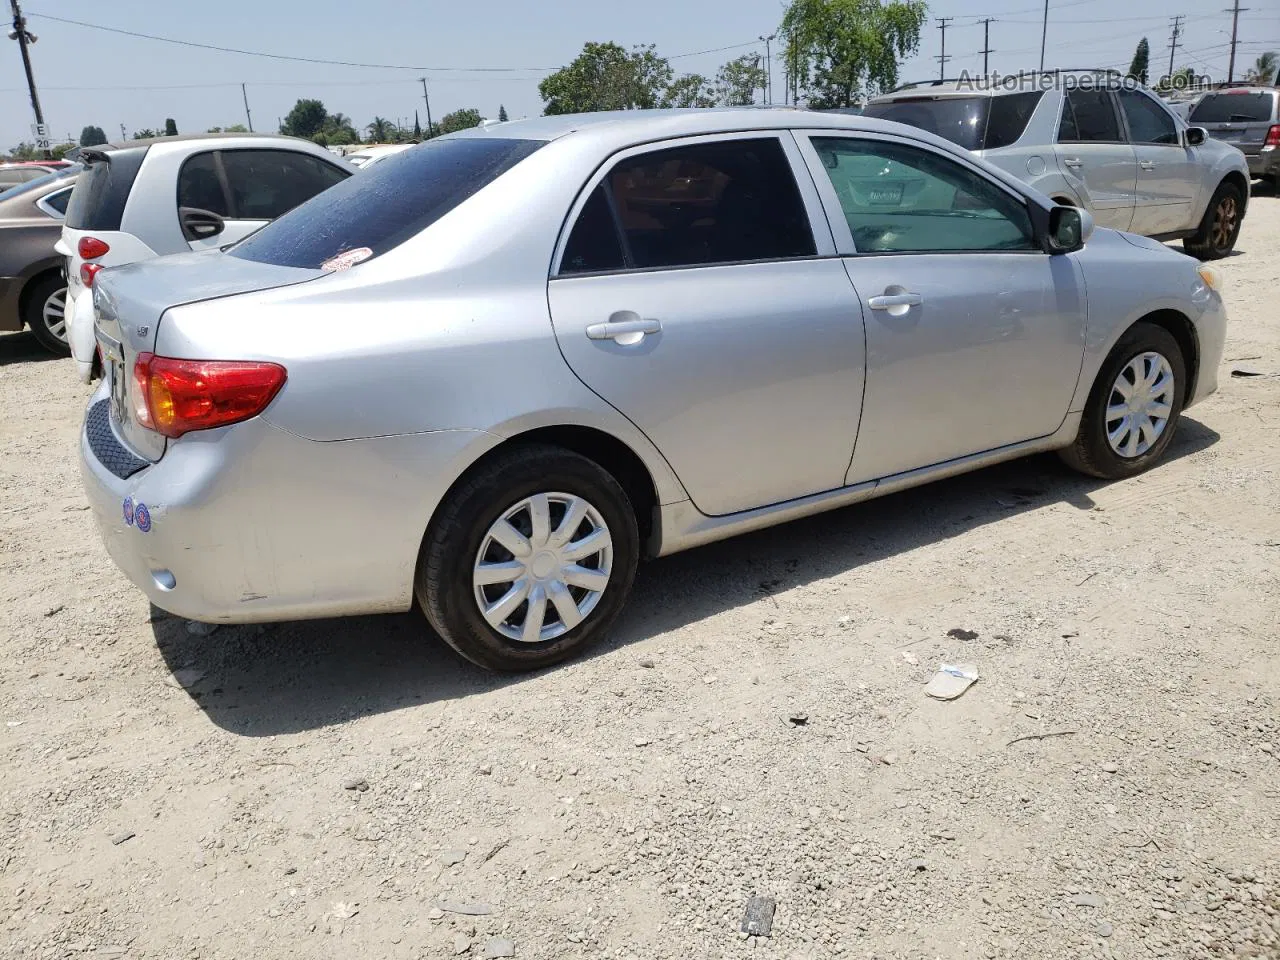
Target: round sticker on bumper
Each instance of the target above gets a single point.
(142, 517)
(128, 510)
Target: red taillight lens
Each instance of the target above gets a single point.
(88, 271)
(90, 248)
(174, 397)
(1273, 136)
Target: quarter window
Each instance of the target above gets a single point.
(58, 201)
(1148, 121)
(1089, 117)
(901, 199)
(594, 243)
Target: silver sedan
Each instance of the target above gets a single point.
(500, 368)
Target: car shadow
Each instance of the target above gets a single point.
(284, 678)
(22, 348)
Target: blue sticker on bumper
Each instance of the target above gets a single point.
(128, 510)
(142, 517)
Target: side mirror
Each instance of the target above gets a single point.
(1068, 229)
(199, 224)
(1196, 136)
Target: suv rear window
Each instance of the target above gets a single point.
(1234, 107)
(383, 206)
(97, 203)
(975, 123)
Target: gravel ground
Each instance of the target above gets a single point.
(756, 727)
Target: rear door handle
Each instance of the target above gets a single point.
(1072, 162)
(615, 329)
(1146, 164)
(895, 300)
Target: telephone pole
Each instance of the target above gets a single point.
(427, 100)
(942, 60)
(247, 115)
(986, 43)
(768, 68)
(1044, 34)
(24, 40)
(1173, 43)
(1230, 65)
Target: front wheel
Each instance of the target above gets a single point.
(1133, 409)
(529, 560)
(1221, 225)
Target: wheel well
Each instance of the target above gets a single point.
(24, 298)
(1182, 330)
(1241, 183)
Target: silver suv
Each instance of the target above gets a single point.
(1092, 141)
(1247, 117)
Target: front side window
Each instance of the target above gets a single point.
(1148, 121)
(266, 184)
(200, 187)
(902, 199)
(1088, 117)
(722, 202)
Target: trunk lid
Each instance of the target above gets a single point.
(129, 306)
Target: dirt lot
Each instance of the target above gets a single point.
(316, 789)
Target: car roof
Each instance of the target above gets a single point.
(190, 138)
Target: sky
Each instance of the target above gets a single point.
(91, 76)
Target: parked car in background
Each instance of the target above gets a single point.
(149, 198)
(33, 291)
(606, 336)
(1248, 118)
(376, 152)
(1114, 149)
(23, 171)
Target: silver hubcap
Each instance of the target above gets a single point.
(54, 314)
(1140, 405)
(542, 567)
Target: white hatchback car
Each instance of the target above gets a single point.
(148, 198)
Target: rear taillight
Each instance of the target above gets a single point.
(88, 271)
(174, 396)
(90, 248)
(1273, 136)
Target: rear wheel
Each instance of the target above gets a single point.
(1221, 224)
(44, 310)
(530, 560)
(1133, 409)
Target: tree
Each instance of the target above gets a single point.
(839, 50)
(1264, 68)
(379, 130)
(306, 119)
(502, 114)
(337, 129)
(1140, 67)
(92, 136)
(604, 76)
(460, 120)
(688, 90)
(417, 127)
(170, 128)
(146, 133)
(62, 149)
(738, 80)
(237, 128)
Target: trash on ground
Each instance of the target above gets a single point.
(466, 909)
(798, 718)
(951, 680)
(1246, 372)
(959, 633)
(757, 921)
(911, 658)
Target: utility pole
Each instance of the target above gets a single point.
(768, 68)
(986, 44)
(1230, 67)
(248, 116)
(428, 102)
(1044, 34)
(1173, 43)
(123, 136)
(24, 40)
(942, 60)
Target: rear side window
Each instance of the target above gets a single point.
(200, 186)
(1009, 116)
(386, 204)
(1088, 117)
(722, 202)
(266, 184)
(98, 201)
(1245, 107)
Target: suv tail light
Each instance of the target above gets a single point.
(1273, 136)
(174, 396)
(90, 248)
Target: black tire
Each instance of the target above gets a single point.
(1220, 226)
(1091, 453)
(443, 584)
(33, 301)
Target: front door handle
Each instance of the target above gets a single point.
(895, 300)
(1146, 164)
(1073, 163)
(624, 330)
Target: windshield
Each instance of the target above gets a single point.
(1233, 108)
(397, 198)
(40, 182)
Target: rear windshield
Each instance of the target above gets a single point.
(975, 123)
(385, 205)
(1233, 107)
(97, 203)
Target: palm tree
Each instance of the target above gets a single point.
(379, 130)
(1264, 68)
